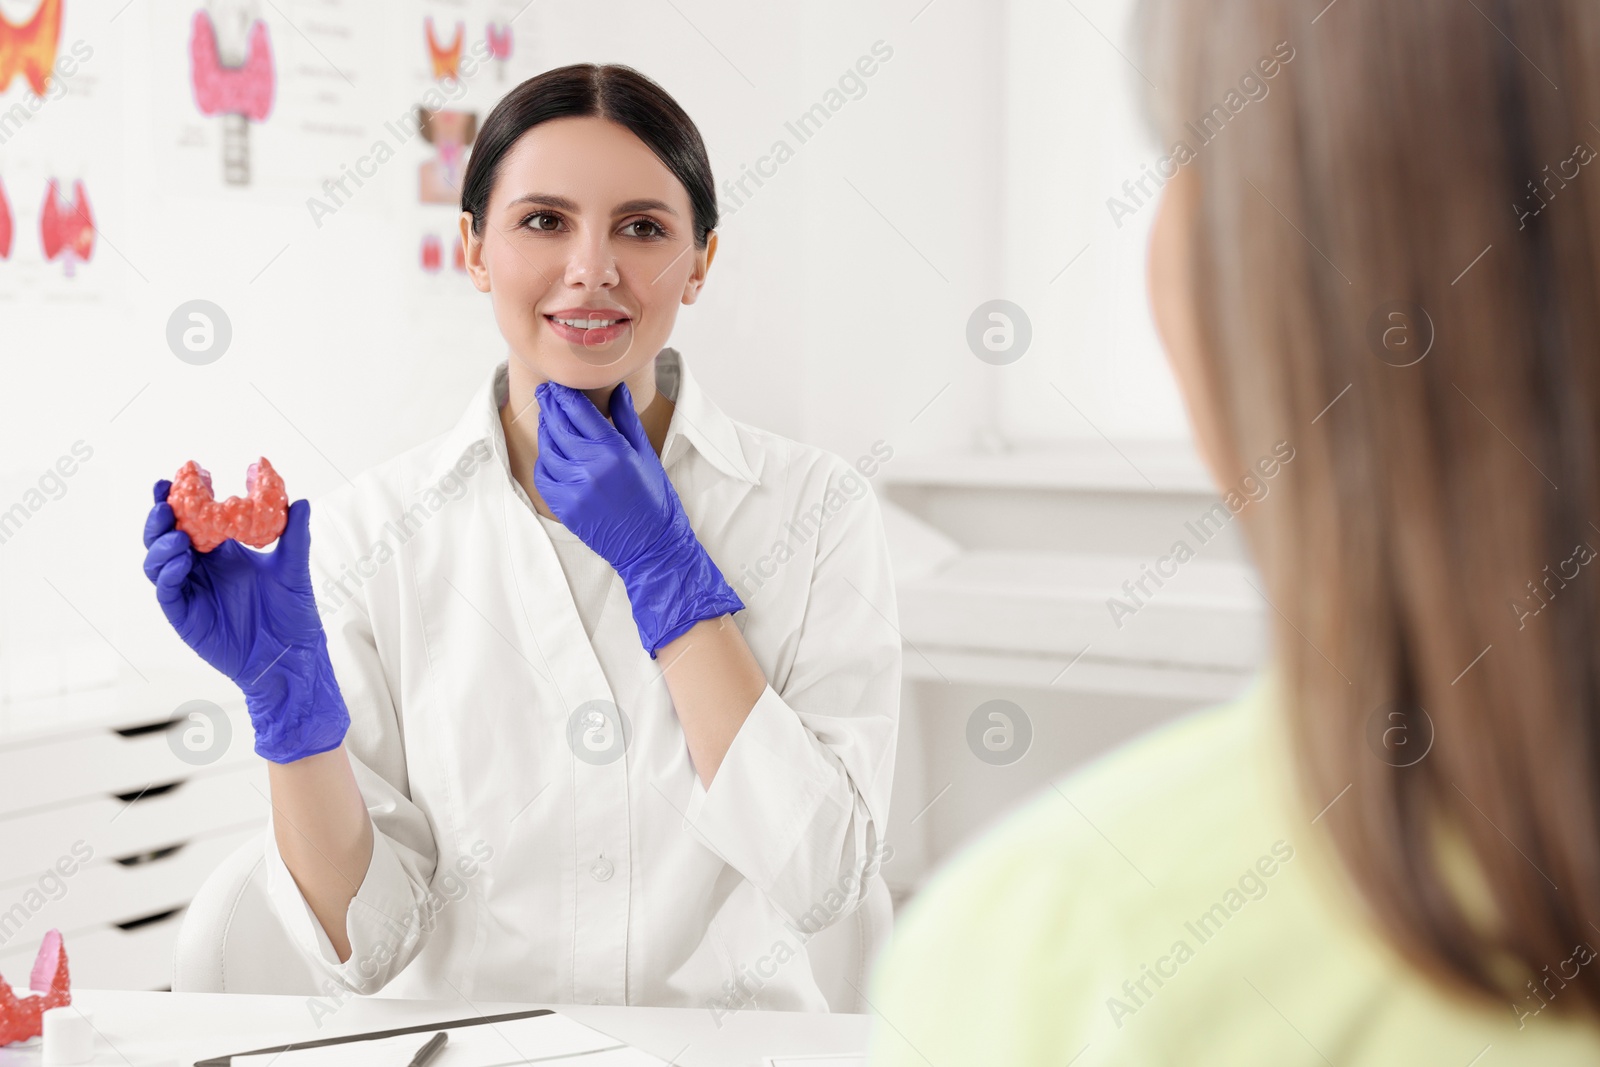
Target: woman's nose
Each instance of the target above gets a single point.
(592, 263)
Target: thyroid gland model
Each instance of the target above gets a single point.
(23, 1017)
(255, 519)
(66, 231)
(233, 78)
(30, 49)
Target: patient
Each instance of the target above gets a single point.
(1387, 851)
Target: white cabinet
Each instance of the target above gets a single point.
(108, 826)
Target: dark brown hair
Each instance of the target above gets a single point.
(1418, 166)
(614, 92)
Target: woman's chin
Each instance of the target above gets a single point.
(594, 366)
(585, 378)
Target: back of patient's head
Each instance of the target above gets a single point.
(1396, 270)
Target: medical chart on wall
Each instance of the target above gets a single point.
(463, 57)
(250, 96)
(288, 101)
(60, 152)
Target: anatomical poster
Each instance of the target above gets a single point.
(462, 58)
(259, 96)
(60, 152)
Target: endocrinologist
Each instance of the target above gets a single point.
(532, 744)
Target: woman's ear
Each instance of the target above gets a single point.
(472, 249)
(1170, 278)
(702, 264)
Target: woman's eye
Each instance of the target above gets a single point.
(538, 219)
(651, 228)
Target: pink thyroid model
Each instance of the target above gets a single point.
(23, 1017)
(256, 519)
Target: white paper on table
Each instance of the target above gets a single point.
(545, 1039)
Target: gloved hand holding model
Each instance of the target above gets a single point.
(252, 616)
(606, 484)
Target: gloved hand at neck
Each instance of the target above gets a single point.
(606, 484)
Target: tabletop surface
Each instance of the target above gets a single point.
(140, 1029)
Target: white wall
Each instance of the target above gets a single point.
(1076, 134)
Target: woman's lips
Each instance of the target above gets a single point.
(594, 335)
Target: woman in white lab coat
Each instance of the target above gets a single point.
(541, 723)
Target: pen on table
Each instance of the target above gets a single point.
(430, 1050)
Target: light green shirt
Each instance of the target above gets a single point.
(1175, 903)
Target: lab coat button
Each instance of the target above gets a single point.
(601, 869)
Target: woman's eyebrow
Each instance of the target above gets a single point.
(545, 200)
(643, 205)
(561, 203)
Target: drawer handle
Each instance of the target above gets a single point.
(146, 728)
(136, 858)
(148, 791)
(146, 920)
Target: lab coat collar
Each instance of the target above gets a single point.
(695, 419)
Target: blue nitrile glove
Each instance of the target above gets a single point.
(606, 484)
(252, 616)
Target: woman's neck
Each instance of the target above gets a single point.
(519, 418)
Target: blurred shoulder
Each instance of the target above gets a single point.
(1032, 928)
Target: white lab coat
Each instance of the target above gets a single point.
(506, 867)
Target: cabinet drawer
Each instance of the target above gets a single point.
(43, 772)
(107, 891)
(107, 957)
(166, 814)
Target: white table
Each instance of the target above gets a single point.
(139, 1029)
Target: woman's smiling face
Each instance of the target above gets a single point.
(586, 249)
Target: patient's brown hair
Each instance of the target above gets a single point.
(1420, 170)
